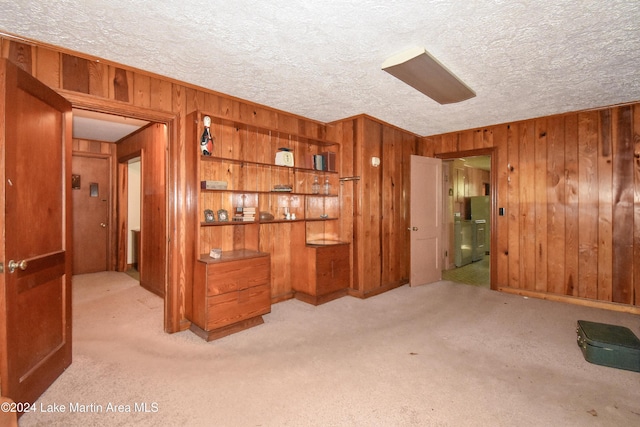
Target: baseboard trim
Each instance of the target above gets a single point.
(605, 305)
(377, 291)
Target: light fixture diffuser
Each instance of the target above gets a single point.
(426, 74)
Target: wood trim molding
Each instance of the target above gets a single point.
(605, 305)
(102, 105)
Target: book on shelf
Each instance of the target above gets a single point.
(325, 161)
(249, 213)
(309, 161)
(213, 185)
(329, 161)
(282, 187)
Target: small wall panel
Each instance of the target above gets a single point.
(555, 206)
(623, 198)
(540, 197)
(527, 208)
(513, 205)
(48, 67)
(98, 79)
(572, 184)
(588, 204)
(605, 207)
(636, 205)
(501, 175)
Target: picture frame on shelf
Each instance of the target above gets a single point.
(208, 216)
(223, 215)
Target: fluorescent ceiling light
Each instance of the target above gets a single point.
(423, 72)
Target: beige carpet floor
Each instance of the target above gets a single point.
(437, 355)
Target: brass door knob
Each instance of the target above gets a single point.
(13, 265)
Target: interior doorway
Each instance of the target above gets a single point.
(467, 219)
(132, 148)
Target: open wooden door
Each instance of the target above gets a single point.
(426, 220)
(35, 283)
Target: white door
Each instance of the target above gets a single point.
(426, 220)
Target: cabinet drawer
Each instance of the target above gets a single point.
(237, 275)
(232, 307)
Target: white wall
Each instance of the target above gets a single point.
(133, 204)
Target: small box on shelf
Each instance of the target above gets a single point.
(213, 185)
(324, 161)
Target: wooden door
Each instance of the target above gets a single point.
(35, 285)
(91, 196)
(426, 220)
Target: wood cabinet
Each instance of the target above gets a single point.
(270, 207)
(231, 293)
(323, 272)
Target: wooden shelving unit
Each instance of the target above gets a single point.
(243, 158)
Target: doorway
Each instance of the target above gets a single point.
(467, 219)
(95, 138)
(130, 142)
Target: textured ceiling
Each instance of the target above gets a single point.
(323, 60)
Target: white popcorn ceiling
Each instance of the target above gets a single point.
(322, 60)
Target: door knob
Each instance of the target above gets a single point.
(412, 228)
(13, 265)
(103, 225)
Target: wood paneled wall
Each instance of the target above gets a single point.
(379, 201)
(570, 187)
